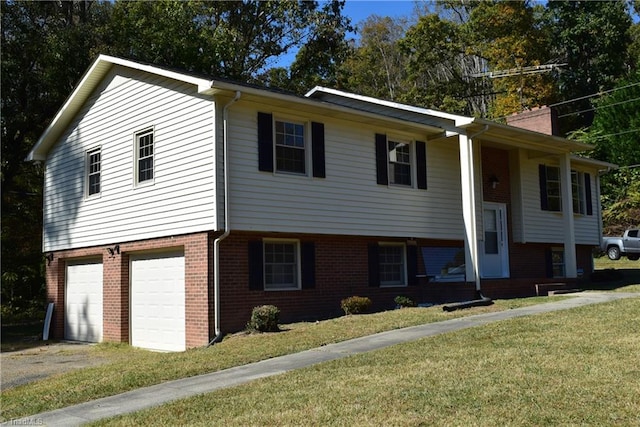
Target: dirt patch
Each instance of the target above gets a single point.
(33, 364)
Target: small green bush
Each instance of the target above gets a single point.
(264, 318)
(403, 301)
(355, 305)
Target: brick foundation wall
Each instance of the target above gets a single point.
(197, 253)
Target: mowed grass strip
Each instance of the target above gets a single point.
(134, 368)
(574, 367)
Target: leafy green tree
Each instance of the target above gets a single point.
(509, 37)
(323, 51)
(377, 66)
(592, 38)
(615, 132)
(45, 49)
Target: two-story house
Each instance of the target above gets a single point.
(174, 204)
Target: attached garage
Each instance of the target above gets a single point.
(158, 301)
(83, 301)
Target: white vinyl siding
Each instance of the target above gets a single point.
(546, 226)
(182, 197)
(348, 201)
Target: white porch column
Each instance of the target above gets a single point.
(570, 262)
(467, 179)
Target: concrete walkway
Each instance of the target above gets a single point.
(147, 397)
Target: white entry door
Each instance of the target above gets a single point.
(158, 301)
(495, 246)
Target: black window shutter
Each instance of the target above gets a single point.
(256, 266)
(265, 142)
(374, 265)
(308, 264)
(542, 172)
(381, 159)
(587, 190)
(412, 265)
(421, 164)
(317, 149)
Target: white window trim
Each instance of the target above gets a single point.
(87, 173)
(405, 282)
(136, 156)
(307, 145)
(412, 160)
(295, 242)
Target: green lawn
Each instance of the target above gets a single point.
(133, 368)
(575, 367)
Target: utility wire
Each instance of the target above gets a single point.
(594, 94)
(597, 108)
(616, 134)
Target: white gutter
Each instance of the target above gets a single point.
(227, 225)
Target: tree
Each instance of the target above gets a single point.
(615, 132)
(439, 70)
(45, 49)
(497, 32)
(319, 58)
(377, 67)
(592, 38)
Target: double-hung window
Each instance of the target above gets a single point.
(392, 264)
(290, 147)
(281, 265)
(144, 156)
(550, 188)
(399, 163)
(578, 192)
(94, 170)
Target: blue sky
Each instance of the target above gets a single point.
(359, 10)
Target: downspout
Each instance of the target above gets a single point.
(227, 227)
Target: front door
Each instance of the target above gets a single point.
(495, 246)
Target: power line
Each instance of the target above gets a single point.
(597, 108)
(617, 134)
(594, 94)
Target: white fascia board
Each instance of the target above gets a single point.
(91, 78)
(601, 165)
(318, 90)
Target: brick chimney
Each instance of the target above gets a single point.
(541, 119)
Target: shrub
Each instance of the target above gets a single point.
(403, 301)
(264, 318)
(355, 305)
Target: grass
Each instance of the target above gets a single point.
(133, 368)
(575, 367)
(622, 275)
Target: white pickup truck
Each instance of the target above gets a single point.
(627, 245)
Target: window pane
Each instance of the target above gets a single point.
(391, 265)
(280, 266)
(399, 163)
(145, 156)
(94, 169)
(290, 147)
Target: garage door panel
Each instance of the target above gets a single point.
(158, 302)
(83, 301)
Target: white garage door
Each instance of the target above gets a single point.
(158, 301)
(83, 301)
